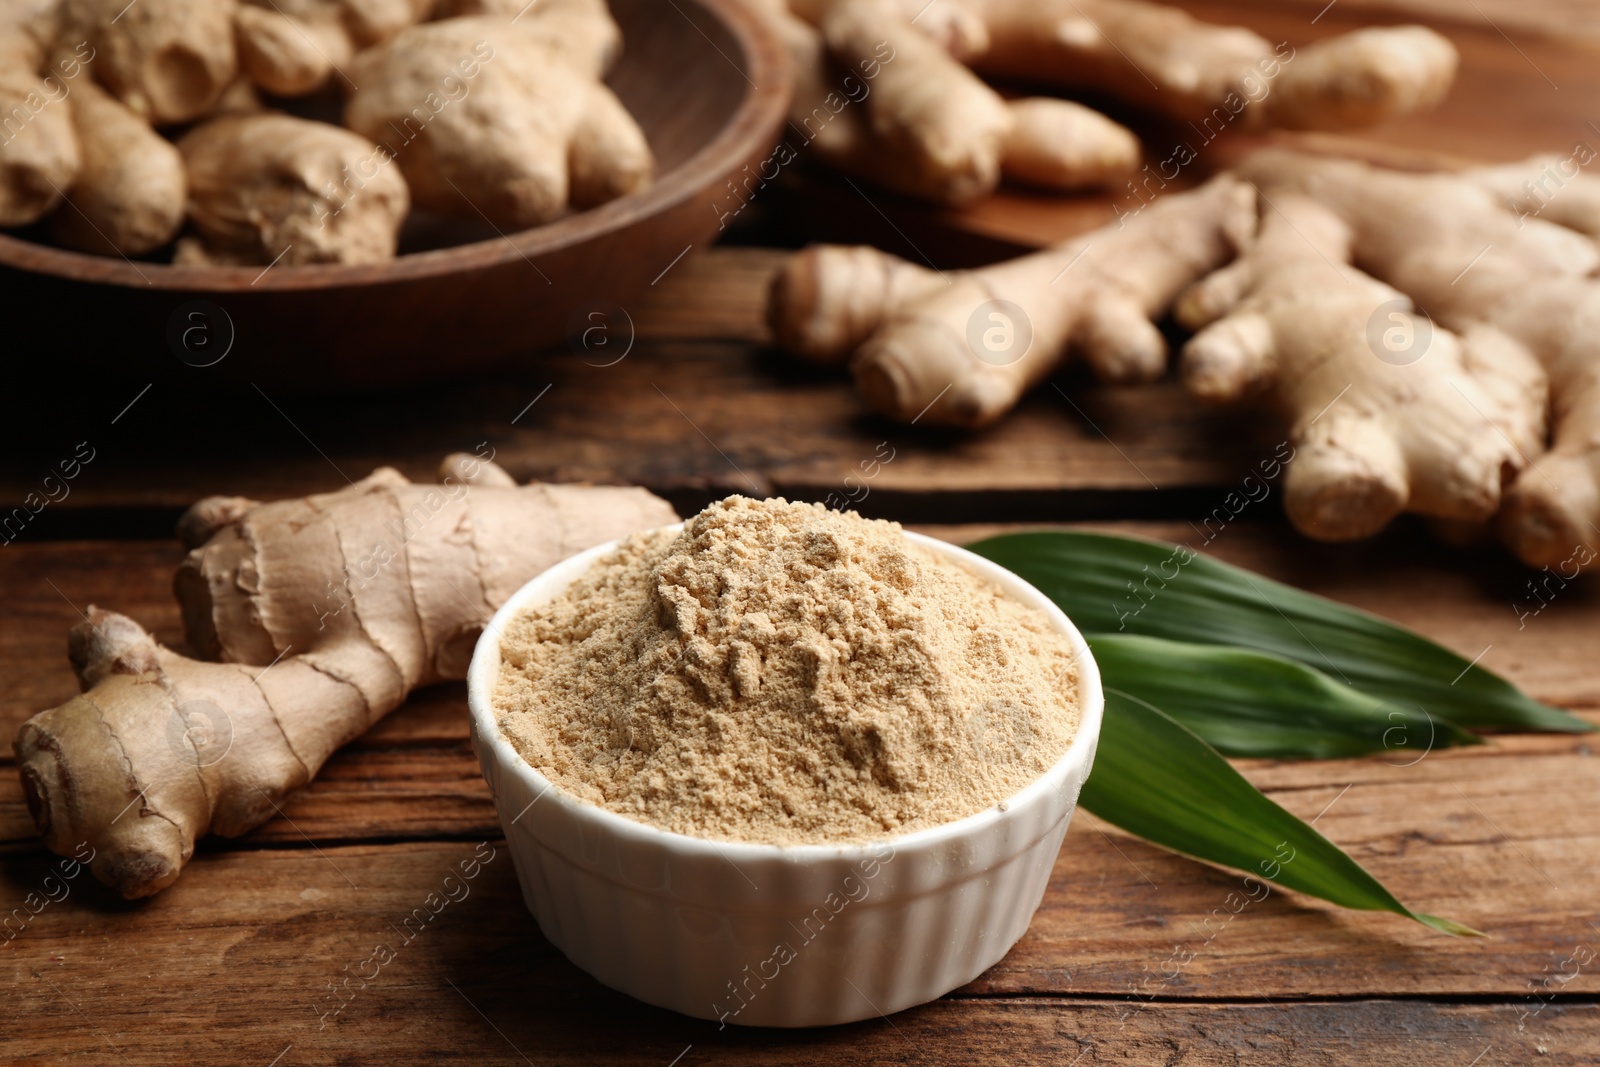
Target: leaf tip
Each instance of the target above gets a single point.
(1448, 926)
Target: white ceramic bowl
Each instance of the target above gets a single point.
(771, 935)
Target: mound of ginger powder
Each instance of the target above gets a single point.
(786, 674)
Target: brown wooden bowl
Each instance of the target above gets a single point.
(707, 81)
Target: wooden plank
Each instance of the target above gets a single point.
(1526, 73)
(1470, 834)
(48, 587)
(702, 419)
(1463, 837)
(1558, 19)
(685, 419)
(719, 294)
(266, 935)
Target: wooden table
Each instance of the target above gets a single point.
(235, 963)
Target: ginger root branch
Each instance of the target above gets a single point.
(326, 613)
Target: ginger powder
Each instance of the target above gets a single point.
(781, 673)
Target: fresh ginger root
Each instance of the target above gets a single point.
(289, 56)
(1060, 145)
(1166, 60)
(1413, 331)
(293, 47)
(495, 109)
(530, 129)
(1508, 266)
(39, 156)
(1372, 437)
(270, 188)
(908, 332)
(128, 196)
(72, 152)
(167, 60)
(327, 611)
(934, 130)
(923, 124)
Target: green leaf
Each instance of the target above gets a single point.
(1247, 703)
(1110, 584)
(1155, 778)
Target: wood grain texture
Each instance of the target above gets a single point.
(687, 416)
(696, 407)
(241, 960)
(1570, 20)
(1469, 836)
